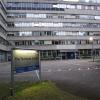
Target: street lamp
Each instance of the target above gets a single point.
(91, 39)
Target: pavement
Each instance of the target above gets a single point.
(80, 77)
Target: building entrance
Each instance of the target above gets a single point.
(68, 55)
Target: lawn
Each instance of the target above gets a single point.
(4, 91)
(39, 91)
(98, 61)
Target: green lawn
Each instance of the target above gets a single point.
(4, 91)
(40, 91)
(98, 61)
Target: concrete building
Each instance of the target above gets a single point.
(60, 29)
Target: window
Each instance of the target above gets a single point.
(86, 7)
(92, 7)
(60, 6)
(36, 15)
(25, 33)
(97, 17)
(98, 7)
(79, 6)
(71, 6)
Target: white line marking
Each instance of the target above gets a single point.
(96, 68)
(49, 70)
(77, 64)
(88, 68)
(79, 68)
(69, 69)
(59, 70)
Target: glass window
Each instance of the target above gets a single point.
(60, 6)
(92, 7)
(86, 7)
(79, 6)
(97, 17)
(71, 6)
(98, 7)
(25, 33)
(36, 15)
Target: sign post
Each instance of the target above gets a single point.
(12, 75)
(23, 61)
(38, 73)
(39, 66)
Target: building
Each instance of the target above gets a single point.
(60, 29)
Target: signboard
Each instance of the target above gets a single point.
(25, 60)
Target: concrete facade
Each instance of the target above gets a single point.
(58, 28)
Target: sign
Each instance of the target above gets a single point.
(25, 60)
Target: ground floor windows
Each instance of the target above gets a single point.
(3, 56)
(58, 54)
(50, 54)
(69, 54)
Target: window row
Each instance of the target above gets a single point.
(55, 42)
(3, 20)
(2, 8)
(3, 41)
(31, 6)
(52, 16)
(54, 24)
(52, 33)
(48, 6)
(68, 54)
(87, 1)
(2, 30)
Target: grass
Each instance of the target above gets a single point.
(41, 91)
(4, 90)
(98, 61)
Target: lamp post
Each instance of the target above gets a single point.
(92, 52)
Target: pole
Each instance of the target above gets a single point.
(39, 66)
(12, 75)
(93, 51)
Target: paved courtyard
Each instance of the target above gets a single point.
(81, 77)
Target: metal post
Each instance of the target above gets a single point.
(12, 74)
(39, 66)
(93, 51)
(75, 55)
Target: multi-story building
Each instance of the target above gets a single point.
(60, 29)
(3, 33)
